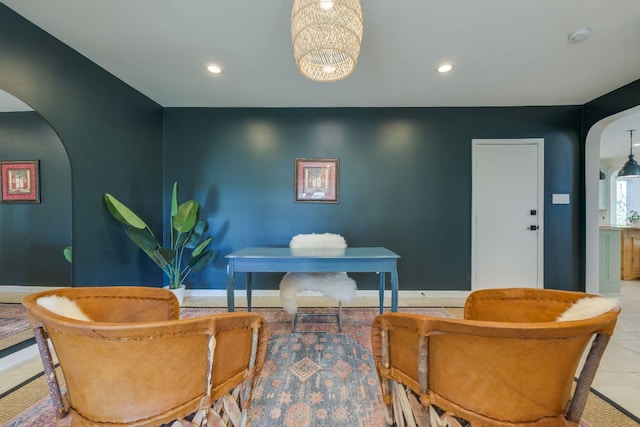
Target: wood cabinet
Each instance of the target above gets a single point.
(630, 268)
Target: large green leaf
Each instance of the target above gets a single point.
(155, 257)
(123, 213)
(147, 242)
(201, 247)
(186, 217)
(196, 234)
(181, 240)
(143, 238)
(68, 253)
(174, 200)
(199, 262)
(167, 254)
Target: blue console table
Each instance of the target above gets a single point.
(355, 260)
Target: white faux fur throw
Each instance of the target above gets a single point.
(337, 286)
(586, 308)
(325, 240)
(63, 306)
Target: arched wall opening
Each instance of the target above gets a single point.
(34, 235)
(591, 179)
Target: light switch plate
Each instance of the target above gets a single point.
(560, 199)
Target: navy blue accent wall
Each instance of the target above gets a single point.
(112, 134)
(613, 102)
(405, 178)
(35, 234)
(405, 182)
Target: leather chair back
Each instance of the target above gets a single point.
(508, 363)
(136, 362)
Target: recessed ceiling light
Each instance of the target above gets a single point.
(579, 34)
(215, 69)
(444, 68)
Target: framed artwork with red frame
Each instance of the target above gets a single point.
(20, 181)
(317, 180)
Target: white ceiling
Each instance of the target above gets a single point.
(505, 52)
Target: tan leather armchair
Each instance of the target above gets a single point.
(137, 364)
(507, 363)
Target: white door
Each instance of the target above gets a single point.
(507, 213)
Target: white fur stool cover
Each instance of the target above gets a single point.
(337, 286)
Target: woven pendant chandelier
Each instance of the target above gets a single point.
(326, 37)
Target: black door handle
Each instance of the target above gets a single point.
(533, 227)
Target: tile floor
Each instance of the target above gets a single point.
(618, 377)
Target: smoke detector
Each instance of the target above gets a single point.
(579, 34)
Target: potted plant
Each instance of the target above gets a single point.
(634, 217)
(185, 253)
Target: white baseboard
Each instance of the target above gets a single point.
(28, 289)
(256, 293)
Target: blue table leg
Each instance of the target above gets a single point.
(230, 279)
(381, 290)
(248, 291)
(394, 290)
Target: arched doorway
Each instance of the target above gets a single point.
(33, 235)
(591, 179)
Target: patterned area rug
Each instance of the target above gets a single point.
(317, 379)
(356, 321)
(13, 320)
(41, 414)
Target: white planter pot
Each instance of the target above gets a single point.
(179, 293)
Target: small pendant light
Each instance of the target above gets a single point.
(631, 169)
